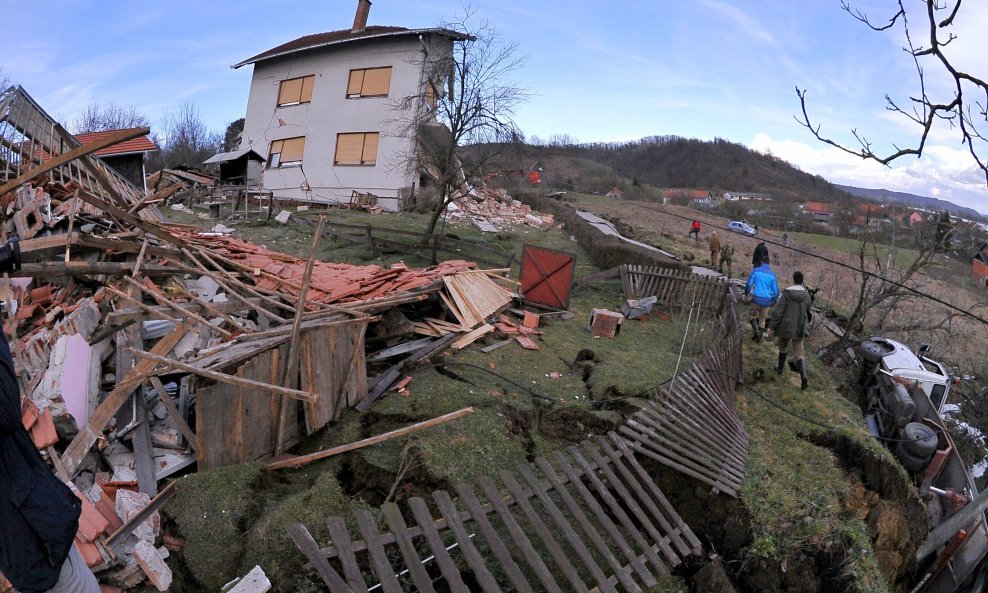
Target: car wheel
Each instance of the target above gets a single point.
(919, 439)
(911, 462)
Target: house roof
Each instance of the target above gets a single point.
(319, 40)
(132, 146)
(818, 207)
(225, 157)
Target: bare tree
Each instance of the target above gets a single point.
(963, 107)
(468, 100)
(5, 80)
(187, 139)
(883, 293)
(101, 118)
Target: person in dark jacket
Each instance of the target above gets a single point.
(39, 515)
(760, 255)
(764, 291)
(791, 323)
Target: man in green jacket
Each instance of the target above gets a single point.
(790, 322)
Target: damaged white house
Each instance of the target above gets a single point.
(332, 111)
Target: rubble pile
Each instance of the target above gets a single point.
(493, 208)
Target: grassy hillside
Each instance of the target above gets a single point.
(645, 165)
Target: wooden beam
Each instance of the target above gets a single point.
(387, 436)
(291, 369)
(222, 377)
(109, 268)
(75, 153)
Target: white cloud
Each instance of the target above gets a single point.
(942, 172)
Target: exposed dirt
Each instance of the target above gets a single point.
(883, 496)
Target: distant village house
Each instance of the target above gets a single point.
(323, 110)
(615, 192)
(979, 266)
(819, 211)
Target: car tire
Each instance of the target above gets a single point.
(872, 351)
(919, 439)
(912, 463)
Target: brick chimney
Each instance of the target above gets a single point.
(360, 19)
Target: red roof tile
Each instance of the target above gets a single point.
(139, 144)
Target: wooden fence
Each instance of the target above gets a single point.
(678, 290)
(592, 520)
(691, 426)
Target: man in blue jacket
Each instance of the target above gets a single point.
(39, 515)
(764, 291)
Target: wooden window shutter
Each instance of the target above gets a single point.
(293, 149)
(307, 83)
(275, 147)
(349, 148)
(369, 155)
(291, 91)
(356, 82)
(377, 82)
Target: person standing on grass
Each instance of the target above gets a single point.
(694, 230)
(714, 249)
(764, 291)
(760, 255)
(726, 256)
(790, 323)
(39, 515)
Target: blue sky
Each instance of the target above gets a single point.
(598, 71)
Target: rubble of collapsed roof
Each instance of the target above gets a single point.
(144, 348)
(492, 209)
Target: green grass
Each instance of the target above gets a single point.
(901, 255)
(797, 491)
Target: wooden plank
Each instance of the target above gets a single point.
(497, 546)
(473, 557)
(303, 540)
(98, 420)
(621, 487)
(577, 511)
(304, 459)
(171, 363)
(378, 555)
(141, 442)
(615, 446)
(344, 546)
(467, 339)
(576, 542)
(443, 558)
(139, 517)
(534, 560)
(643, 497)
(618, 511)
(413, 562)
(291, 378)
(545, 534)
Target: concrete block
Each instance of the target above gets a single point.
(153, 565)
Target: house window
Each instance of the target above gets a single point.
(369, 82)
(286, 153)
(356, 148)
(431, 96)
(296, 90)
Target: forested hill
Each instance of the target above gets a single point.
(674, 162)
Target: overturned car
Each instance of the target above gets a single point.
(905, 396)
